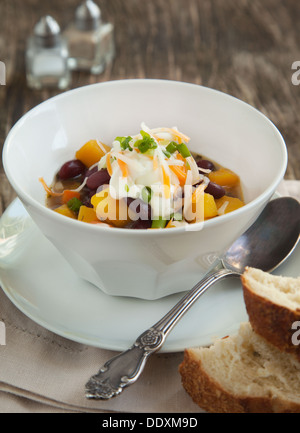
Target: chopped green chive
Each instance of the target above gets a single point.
(74, 204)
(177, 216)
(146, 194)
(143, 146)
(146, 143)
(183, 150)
(172, 147)
(124, 142)
(166, 153)
(160, 223)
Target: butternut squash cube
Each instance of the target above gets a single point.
(224, 177)
(97, 198)
(210, 207)
(203, 207)
(91, 152)
(232, 203)
(109, 210)
(64, 210)
(87, 214)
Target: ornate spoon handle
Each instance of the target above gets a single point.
(125, 368)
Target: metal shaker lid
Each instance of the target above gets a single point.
(88, 16)
(47, 32)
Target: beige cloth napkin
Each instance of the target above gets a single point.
(41, 372)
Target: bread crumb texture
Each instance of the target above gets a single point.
(242, 373)
(273, 307)
(258, 368)
(283, 291)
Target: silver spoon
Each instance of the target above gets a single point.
(265, 245)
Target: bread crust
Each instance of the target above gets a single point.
(271, 321)
(212, 397)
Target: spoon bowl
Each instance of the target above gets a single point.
(265, 245)
(269, 241)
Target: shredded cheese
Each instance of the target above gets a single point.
(81, 186)
(180, 173)
(101, 145)
(174, 131)
(49, 190)
(166, 182)
(108, 164)
(194, 168)
(124, 167)
(222, 209)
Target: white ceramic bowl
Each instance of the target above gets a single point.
(140, 263)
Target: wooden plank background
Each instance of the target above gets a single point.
(243, 47)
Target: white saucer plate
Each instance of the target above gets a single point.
(42, 285)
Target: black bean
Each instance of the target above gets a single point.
(207, 165)
(91, 193)
(141, 224)
(87, 204)
(97, 179)
(71, 169)
(91, 171)
(215, 190)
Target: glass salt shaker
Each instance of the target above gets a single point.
(47, 56)
(90, 41)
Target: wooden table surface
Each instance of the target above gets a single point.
(243, 47)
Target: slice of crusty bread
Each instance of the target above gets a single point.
(242, 373)
(273, 307)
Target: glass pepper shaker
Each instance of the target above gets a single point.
(90, 41)
(47, 56)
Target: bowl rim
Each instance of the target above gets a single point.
(259, 200)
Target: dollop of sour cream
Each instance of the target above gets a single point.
(133, 169)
